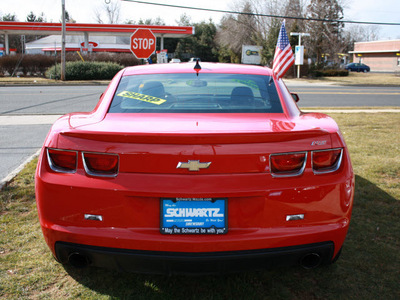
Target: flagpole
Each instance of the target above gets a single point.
(63, 40)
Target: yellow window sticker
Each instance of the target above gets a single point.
(249, 83)
(142, 97)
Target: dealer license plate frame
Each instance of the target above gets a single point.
(212, 219)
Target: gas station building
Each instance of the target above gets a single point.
(85, 37)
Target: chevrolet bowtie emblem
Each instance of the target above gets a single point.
(193, 165)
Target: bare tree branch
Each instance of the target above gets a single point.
(110, 12)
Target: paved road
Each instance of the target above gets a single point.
(23, 127)
(345, 96)
(20, 100)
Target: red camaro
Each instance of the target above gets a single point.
(195, 168)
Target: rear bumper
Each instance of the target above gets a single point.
(160, 262)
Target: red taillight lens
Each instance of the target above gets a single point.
(100, 164)
(326, 161)
(288, 164)
(64, 161)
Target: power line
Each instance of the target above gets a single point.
(263, 15)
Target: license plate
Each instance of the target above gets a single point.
(194, 216)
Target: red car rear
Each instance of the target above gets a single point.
(195, 170)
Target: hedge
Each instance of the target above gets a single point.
(8, 63)
(124, 59)
(79, 70)
(329, 72)
(37, 64)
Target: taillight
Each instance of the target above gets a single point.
(100, 164)
(326, 161)
(288, 164)
(63, 161)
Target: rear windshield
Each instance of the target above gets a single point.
(188, 93)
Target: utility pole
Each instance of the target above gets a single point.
(299, 51)
(63, 40)
(23, 44)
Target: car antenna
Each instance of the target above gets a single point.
(197, 67)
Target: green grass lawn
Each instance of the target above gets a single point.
(369, 267)
(367, 79)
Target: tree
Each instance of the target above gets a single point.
(184, 20)
(111, 12)
(363, 33)
(157, 21)
(326, 37)
(237, 31)
(254, 29)
(268, 7)
(294, 8)
(269, 42)
(10, 18)
(68, 18)
(31, 17)
(202, 44)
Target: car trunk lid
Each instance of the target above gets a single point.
(201, 144)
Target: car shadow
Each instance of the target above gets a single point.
(368, 266)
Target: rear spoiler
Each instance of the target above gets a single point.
(195, 138)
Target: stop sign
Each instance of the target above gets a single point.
(143, 43)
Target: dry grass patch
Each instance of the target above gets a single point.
(365, 79)
(44, 81)
(26, 80)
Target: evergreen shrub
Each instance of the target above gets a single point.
(329, 73)
(79, 70)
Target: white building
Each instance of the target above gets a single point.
(52, 43)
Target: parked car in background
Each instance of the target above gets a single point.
(175, 60)
(357, 67)
(185, 168)
(194, 59)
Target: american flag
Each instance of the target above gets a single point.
(284, 57)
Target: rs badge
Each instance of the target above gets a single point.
(193, 165)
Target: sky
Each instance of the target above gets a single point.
(83, 11)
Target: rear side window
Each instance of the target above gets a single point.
(188, 93)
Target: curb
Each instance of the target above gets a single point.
(351, 111)
(14, 173)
